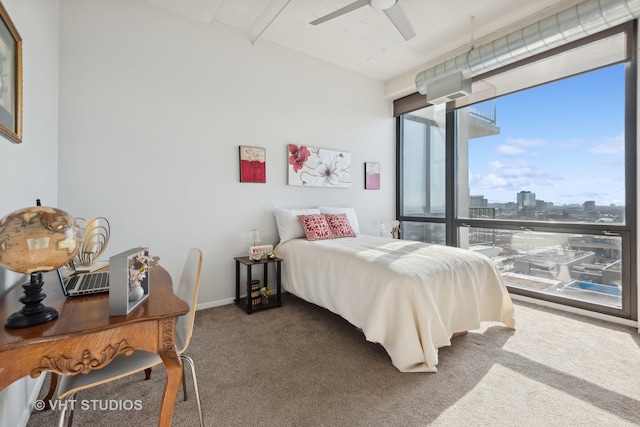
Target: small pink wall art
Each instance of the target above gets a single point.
(371, 176)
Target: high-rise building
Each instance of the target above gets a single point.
(478, 202)
(589, 206)
(526, 203)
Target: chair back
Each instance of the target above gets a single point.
(188, 291)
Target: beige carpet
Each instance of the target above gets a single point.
(300, 365)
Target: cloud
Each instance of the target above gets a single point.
(488, 181)
(610, 145)
(510, 150)
(524, 142)
(517, 146)
(512, 177)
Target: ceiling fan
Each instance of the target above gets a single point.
(390, 7)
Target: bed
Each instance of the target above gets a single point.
(410, 297)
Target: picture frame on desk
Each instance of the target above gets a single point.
(128, 280)
(11, 69)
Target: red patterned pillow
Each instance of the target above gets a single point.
(315, 227)
(339, 225)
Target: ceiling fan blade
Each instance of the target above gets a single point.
(348, 8)
(399, 19)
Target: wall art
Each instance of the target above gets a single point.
(318, 167)
(253, 164)
(371, 176)
(11, 79)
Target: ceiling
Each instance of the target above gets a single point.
(364, 40)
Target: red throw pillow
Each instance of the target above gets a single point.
(339, 225)
(315, 227)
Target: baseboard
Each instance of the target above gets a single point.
(586, 313)
(220, 302)
(212, 304)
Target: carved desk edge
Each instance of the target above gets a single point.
(81, 354)
(70, 352)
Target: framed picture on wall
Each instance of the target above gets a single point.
(318, 167)
(371, 176)
(10, 79)
(253, 164)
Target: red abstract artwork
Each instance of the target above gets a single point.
(253, 164)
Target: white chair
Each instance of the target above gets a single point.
(123, 365)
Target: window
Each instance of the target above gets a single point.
(536, 169)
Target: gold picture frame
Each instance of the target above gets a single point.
(10, 79)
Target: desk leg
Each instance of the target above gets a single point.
(173, 365)
(52, 389)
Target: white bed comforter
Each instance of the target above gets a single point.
(411, 297)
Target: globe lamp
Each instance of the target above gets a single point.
(35, 240)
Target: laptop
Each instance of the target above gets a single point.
(85, 283)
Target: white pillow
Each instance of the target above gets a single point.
(289, 226)
(351, 215)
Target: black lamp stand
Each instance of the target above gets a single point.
(34, 312)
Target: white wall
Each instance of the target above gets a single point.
(153, 108)
(30, 170)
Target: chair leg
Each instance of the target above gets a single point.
(195, 384)
(147, 374)
(184, 384)
(70, 418)
(63, 412)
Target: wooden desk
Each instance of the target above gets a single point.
(85, 337)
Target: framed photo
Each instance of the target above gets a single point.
(318, 167)
(371, 176)
(10, 79)
(128, 280)
(253, 164)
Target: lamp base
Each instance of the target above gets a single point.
(21, 320)
(34, 312)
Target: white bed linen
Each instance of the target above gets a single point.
(411, 297)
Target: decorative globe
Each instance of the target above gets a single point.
(38, 238)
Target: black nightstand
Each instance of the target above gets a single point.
(247, 303)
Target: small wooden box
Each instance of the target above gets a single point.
(124, 269)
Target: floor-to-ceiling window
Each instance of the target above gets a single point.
(537, 171)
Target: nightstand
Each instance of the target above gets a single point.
(247, 303)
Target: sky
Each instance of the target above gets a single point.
(563, 141)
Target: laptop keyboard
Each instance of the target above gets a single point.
(71, 284)
(90, 281)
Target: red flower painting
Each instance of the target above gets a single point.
(297, 157)
(318, 167)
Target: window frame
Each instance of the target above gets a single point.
(627, 231)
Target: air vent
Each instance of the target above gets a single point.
(449, 88)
